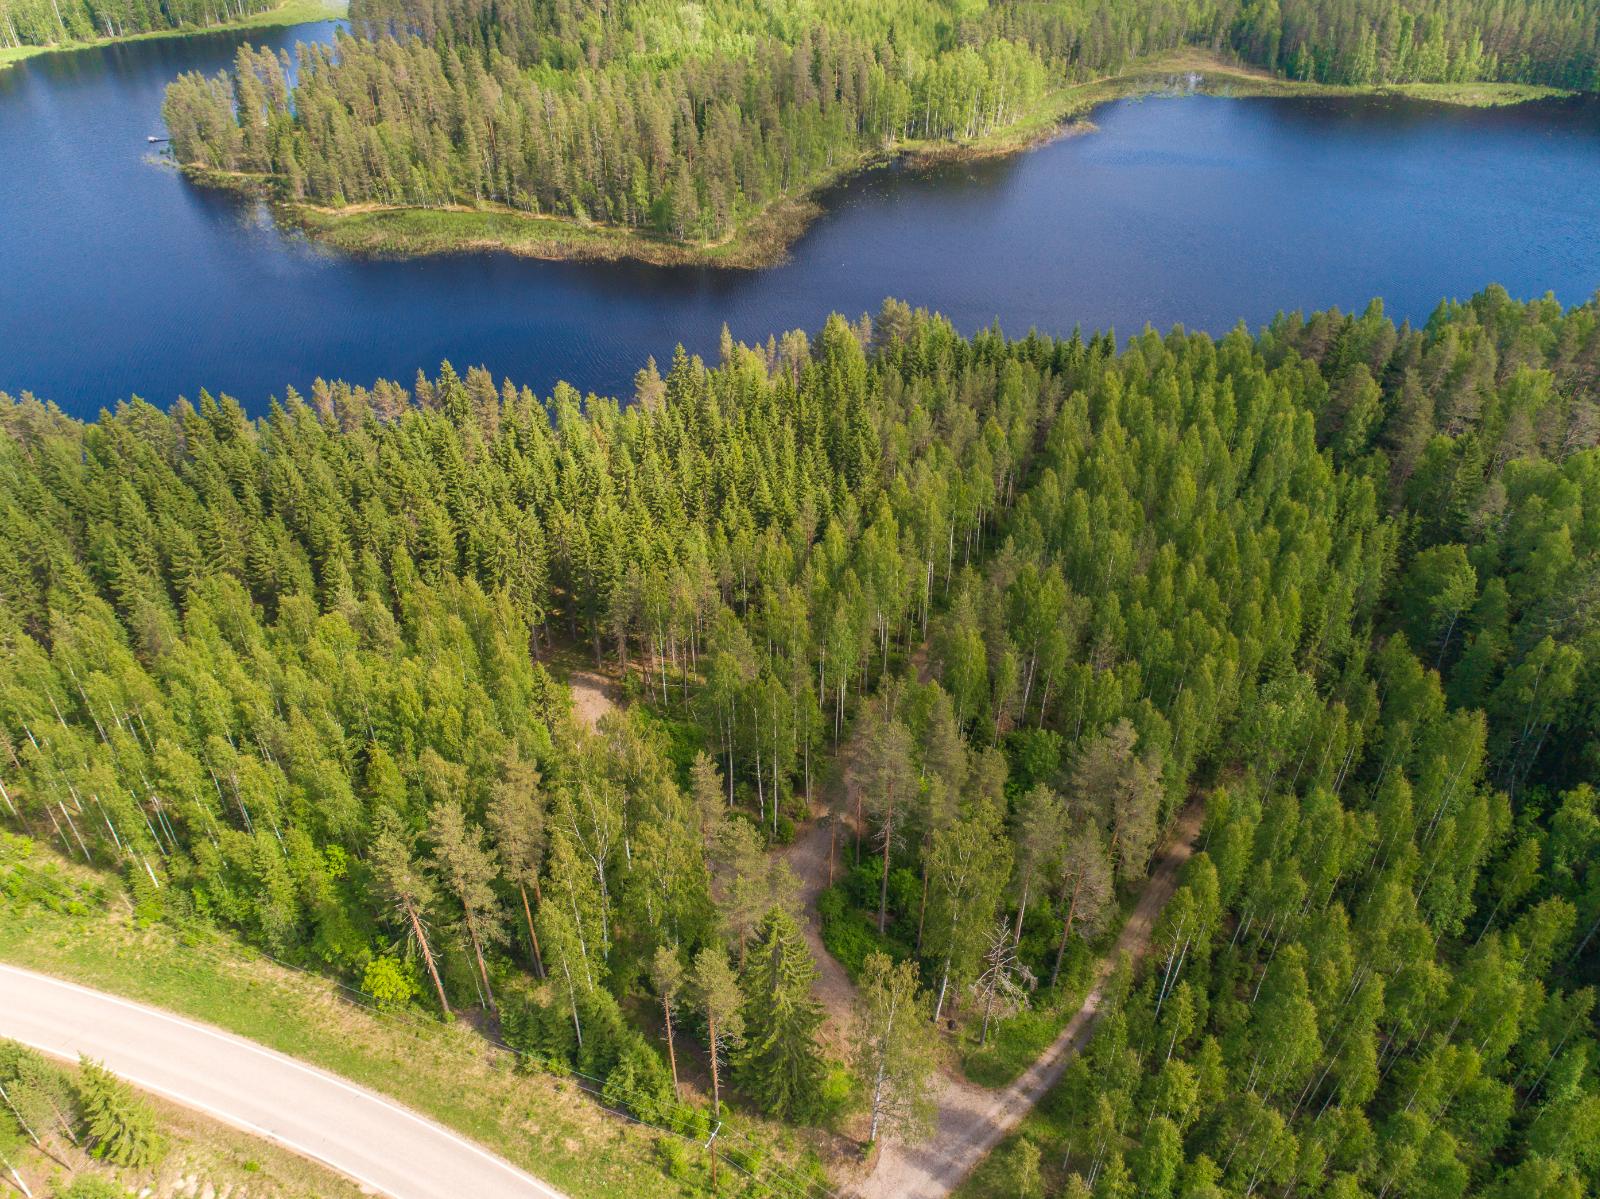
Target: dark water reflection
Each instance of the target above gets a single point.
(116, 277)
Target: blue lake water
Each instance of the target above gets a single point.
(117, 277)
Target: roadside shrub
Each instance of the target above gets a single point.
(674, 1157)
(839, 1096)
(850, 930)
(861, 883)
(847, 933)
(639, 1083)
(388, 983)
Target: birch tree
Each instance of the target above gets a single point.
(892, 1052)
(969, 864)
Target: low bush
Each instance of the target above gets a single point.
(850, 934)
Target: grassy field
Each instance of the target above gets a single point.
(1016, 1042)
(415, 231)
(544, 1123)
(1200, 71)
(201, 1157)
(290, 12)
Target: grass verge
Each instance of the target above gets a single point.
(1016, 1042)
(200, 1157)
(543, 1123)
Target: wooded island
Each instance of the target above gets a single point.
(700, 132)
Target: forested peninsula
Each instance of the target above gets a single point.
(1001, 610)
(701, 132)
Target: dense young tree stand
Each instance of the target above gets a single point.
(285, 677)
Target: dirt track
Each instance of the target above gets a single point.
(808, 858)
(971, 1120)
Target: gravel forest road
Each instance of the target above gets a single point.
(972, 1120)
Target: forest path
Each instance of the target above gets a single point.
(971, 1120)
(593, 695)
(807, 856)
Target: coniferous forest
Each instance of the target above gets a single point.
(1007, 607)
(690, 121)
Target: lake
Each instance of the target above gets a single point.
(118, 278)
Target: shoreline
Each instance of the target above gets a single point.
(765, 240)
(288, 13)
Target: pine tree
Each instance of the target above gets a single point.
(516, 814)
(716, 992)
(878, 768)
(406, 891)
(667, 976)
(1040, 830)
(469, 871)
(1085, 889)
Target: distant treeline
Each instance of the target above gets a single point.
(686, 119)
(52, 22)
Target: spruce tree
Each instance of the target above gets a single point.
(781, 1067)
(122, 1126)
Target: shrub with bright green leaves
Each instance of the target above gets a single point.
(388, 983)
(674, 1157)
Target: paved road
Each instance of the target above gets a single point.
(377, 1143)
(972, 1120)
